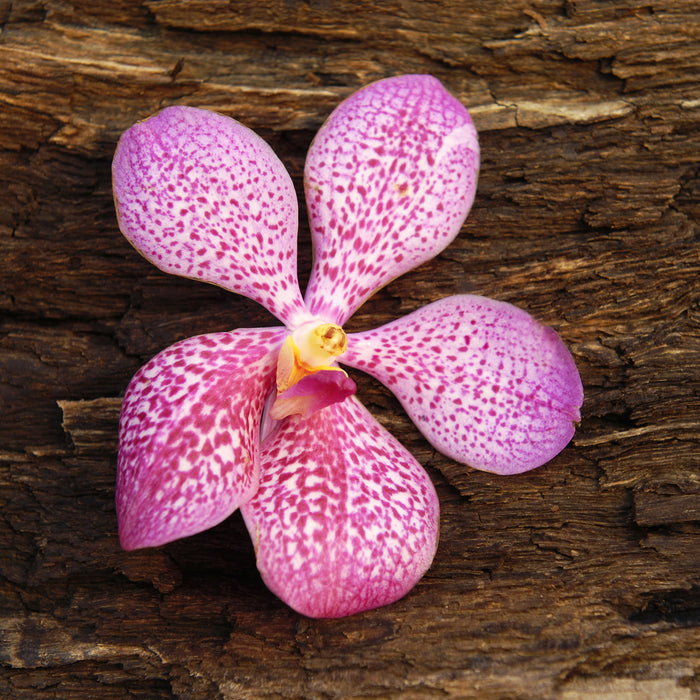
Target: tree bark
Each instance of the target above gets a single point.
(577, 580)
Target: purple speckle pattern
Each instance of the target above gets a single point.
(486, 384)
(389, 180)
(201, 196)
(189, 434)
(342, 517)
(345, 519)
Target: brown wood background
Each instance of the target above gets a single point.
(579, 580)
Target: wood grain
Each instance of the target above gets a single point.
(579, 580)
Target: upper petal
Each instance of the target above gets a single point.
(202, 196)
(189, 434)
(486, 383)
(345, 518)
(389, 179)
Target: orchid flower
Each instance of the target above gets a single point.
(343, 518)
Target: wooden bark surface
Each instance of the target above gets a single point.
(578, 580)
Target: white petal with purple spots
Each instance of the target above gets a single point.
(486, 383)
(189, 434)
(389, 180)
(202, 196)
(345, 519)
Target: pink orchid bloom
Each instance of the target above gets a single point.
(342, 517)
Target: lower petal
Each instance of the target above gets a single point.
(189, 434)
(345, 518)
(486, 384)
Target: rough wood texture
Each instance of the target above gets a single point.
(578, 580)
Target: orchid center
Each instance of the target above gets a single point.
(308, 378)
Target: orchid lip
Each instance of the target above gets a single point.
(308, 377)
(310, 348)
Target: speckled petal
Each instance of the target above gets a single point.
(189, 434)
(389, 179)
(202, 196)
(486, 383)
(345, 519)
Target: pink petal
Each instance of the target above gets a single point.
(485, 383)
(189, 434)
(312, 393)
(345, 519)
(202, 196)
(389, 180)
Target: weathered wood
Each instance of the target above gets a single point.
(578, 580)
